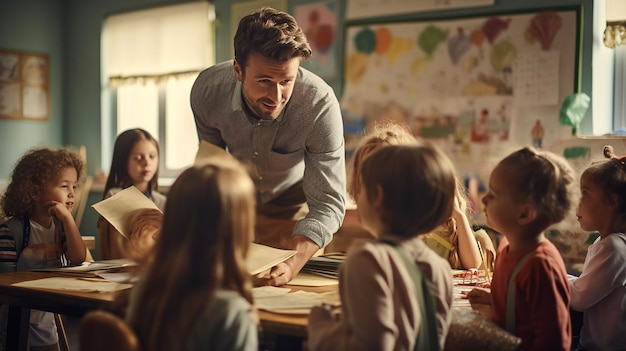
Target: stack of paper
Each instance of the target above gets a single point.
(92, 269)
(326, 265)
(284, 301)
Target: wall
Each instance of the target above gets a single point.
(69, 31)
(34, 26)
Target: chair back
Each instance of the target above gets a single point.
(102, 330)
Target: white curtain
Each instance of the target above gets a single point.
(159, 42)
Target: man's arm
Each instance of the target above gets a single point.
(284, 272)
(324, 184)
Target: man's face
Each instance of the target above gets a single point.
(267, 84)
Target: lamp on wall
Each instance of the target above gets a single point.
(615, 31)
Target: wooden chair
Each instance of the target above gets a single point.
(102, 330)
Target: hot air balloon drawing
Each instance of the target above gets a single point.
(458, 45)
(494, 26)
(544, 26)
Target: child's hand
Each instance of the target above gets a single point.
(58, 210)
(478, 295)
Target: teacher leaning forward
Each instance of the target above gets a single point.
(285, 123)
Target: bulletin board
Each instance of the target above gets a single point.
(24, 85)
(473, 84)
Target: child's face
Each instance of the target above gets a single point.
(501, 209)
(594, 209)
(62, 188)
(143, 162)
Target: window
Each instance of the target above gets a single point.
(150, 60)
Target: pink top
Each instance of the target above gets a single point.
(379, 301)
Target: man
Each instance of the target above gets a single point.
(285, 123)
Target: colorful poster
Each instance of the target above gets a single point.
(373, 8)
(475, 84)
(319, 23)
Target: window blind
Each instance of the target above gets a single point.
(157, 43)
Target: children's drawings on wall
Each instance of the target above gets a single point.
(371, 8)
(319, 23)
(463, 82)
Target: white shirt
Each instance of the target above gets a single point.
(600, 292)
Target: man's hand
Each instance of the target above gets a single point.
(285, 271)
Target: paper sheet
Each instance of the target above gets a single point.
(310, 279)
(73, 284)
(207, 150)
(119, 208)
(262, 257)
(298, 302)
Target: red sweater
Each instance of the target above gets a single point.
(542, 297)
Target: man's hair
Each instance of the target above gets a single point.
(271, 33)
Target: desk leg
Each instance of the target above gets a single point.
(17, 328)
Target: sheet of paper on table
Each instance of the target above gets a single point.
(310, 279)
(298, 302)
(119, 208)
(92, 269)
(73, 284)
(262, 257)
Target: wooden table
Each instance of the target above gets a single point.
(73, 303)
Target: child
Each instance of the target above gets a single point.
(405, 191)
(42, 232)
(135, 162)
(453, 240)
(528, 192)
(600, 291)
(145, 226)
(204, 289)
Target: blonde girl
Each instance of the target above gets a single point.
(42, 232)
(135, 162)
(405, 191)
(528, 192)
(453, 240)
(600, 291)
(197, 292)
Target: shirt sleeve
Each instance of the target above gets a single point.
(603, 272)
(8, 253)
(201, 106)
(324, 180)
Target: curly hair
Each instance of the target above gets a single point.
(32, 174)
(271, 33)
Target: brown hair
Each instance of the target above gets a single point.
(124, 143)
(31, 175)
(208, 226)
(542, 179)
(414, 179)
(271, 33)
(381, 134)
(610, 177)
